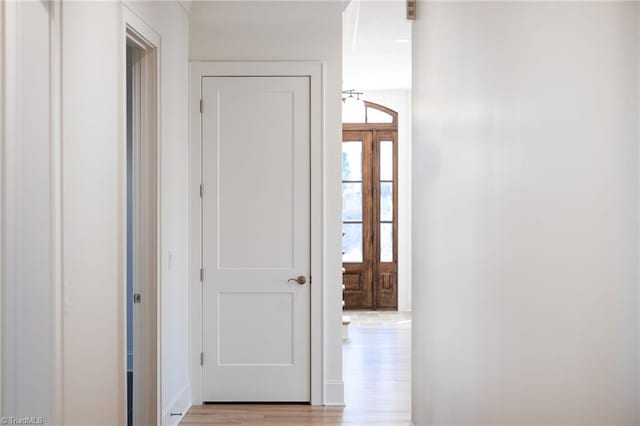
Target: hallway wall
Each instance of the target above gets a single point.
(170, 21)
(525, 216)
(63, 265)
(28, 146)
(93, 166)
(291, 31)
(93, 205)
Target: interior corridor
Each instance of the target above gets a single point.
(377, 376)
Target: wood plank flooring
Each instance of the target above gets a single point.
(377, 376)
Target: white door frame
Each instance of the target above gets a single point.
(315, 71)
(143, 37)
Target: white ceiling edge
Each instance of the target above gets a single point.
(373, 59)
(366, 89)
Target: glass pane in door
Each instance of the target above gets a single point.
(386, 201)
(352, 242)
(386, 242)
(376, 116)
(386, 160)
(352, 161)
(352, 201)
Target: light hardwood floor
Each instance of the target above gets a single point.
(377, 376)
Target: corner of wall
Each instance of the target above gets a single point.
(177, 409)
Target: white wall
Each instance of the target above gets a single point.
(88, 114)
(400, 101)
(291, 31)
(170, 21)
(93, 207)
(27, 210)
(525, 215)
(3, 231)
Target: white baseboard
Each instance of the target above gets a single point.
(334, 393)
(178, 407)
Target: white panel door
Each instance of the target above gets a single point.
(256, 236)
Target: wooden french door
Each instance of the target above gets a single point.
(369, 214)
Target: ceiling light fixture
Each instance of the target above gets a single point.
(350, 94)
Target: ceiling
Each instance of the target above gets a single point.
(376, 45)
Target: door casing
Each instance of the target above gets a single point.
(147, 363)
(315, 72)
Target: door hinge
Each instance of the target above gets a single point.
(201, 190)
(201, 274)
(201, 358)
(200, 106)
(137, 298)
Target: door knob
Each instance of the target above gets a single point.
(300, 280)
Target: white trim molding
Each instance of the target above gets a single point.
(2, 230)
(334, 393)
(186, 6)
(30, 243)
(57, 277)
(177, 409)
(315, 71)
(149, 274)
(10, 162)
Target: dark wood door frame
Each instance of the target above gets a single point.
(373, 284)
